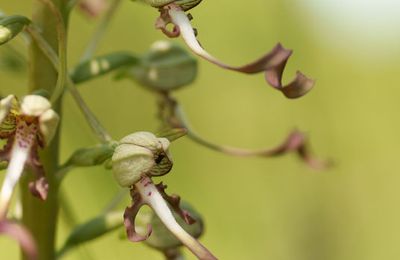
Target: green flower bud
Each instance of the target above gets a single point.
(140, 154)
(166, 66)
(11, 26)
(92, 229)
(101, 65)
(162, 239)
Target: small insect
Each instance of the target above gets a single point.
(184, 4)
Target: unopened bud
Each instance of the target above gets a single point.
(11, 26)
(140, 154)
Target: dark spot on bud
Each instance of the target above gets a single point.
(159, 158)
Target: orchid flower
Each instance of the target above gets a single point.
(137, 158)
(272, 64)
(27, 126)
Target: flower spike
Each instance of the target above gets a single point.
(272, 63)
(26, 126)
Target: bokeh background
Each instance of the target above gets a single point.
(257, 208)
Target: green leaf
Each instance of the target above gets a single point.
(11, 26)
(91, 156)
(92, 229)
(165, 67)
(101, 65)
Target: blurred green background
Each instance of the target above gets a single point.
(258, 208)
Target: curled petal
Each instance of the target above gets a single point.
(273, 63)
(295, 89)
(175, 202)
(21, 235)
(182, 22)
(129, 221)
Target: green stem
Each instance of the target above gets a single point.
(100, 31)
(38, 216)
(49, 52)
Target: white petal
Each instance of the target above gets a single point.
(19, 155)
(151, 196)
(180, 19)
(34, 105)
(48, 123)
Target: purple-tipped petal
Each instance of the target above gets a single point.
(129, 221)
(295, 89)
(174, 201)
(273, 63)
(296, 142)
(21, 235)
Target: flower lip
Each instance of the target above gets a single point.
(272, 63)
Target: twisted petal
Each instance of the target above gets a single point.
(129, 221)
(151, 196)
(23, 237)
(272, 63)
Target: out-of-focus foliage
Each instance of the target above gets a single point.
(258, 208)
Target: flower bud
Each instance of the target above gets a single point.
(162, 239)
(166, 66)
(11, 26)
(140, 154)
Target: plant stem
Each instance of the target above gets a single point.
(48, 51)
(38, 216)
(100, 31)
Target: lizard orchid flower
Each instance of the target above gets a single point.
(137, 158)
(272, 63)
(27, 126)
